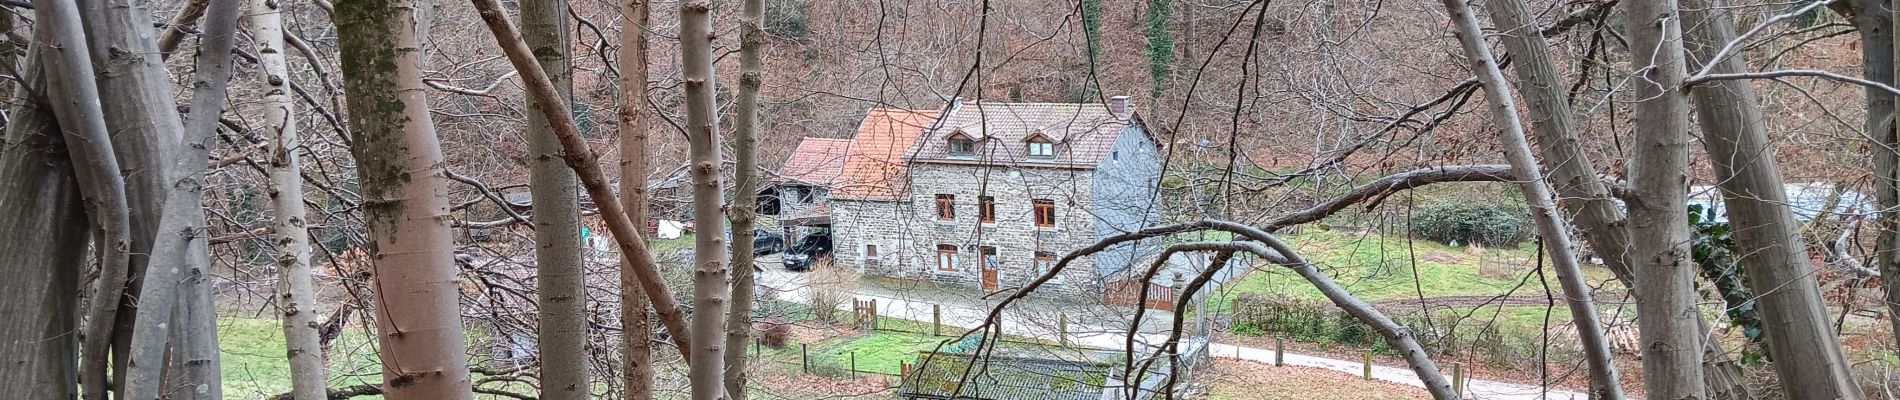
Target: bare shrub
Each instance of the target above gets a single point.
(829, 288)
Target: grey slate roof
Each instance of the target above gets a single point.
(1083, 133)
(937, 377)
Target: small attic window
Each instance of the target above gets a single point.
(961, 145)
(1040, 146)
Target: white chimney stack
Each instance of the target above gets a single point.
(1118, 105)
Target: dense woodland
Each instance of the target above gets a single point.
(175, 171)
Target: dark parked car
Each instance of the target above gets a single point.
(763, 242)
(801, 255)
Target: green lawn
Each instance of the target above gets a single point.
(255, 367)
(254, 364)
(1388, 267)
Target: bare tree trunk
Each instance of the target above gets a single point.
(39, 193)
(587, 167)
(557, 218)
(745, 196)
(146, 132)
(1658, 174)
(1574, 176)
(709, 249)
(636, 351)
(1552, 230)
(296, 299)
(195, 352)
(405, 203)
(1878, 59)
(69, 79)
(1800, 339)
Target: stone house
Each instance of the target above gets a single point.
(989, 195)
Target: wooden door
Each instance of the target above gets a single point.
(987, 260)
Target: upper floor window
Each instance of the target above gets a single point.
(946, 257)
(962, 145)
(806, 195)
(1041, 147)
(946, 207)
(870, 250)
(986, 209)
(1045, 212)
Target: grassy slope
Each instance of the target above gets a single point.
(1389, 267)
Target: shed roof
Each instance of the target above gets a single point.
(815, 161)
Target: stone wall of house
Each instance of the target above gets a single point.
(1013, 234)
(857, 224)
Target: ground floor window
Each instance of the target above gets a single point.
(946, 257)
(1045, 261)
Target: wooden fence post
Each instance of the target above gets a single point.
(903, 368)
(936, 320)
(1062, 327)
(873, 314)
(1368, 364)
(854, 362)
(804, 357)
(1279, 350)
(1458, 378)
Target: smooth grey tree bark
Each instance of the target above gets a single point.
(636, 345)
(710, 292)
(1799, 335)
(745, 196)
(405, 203)
(296, 298)
(1572, 175)
(39, 193)
(1584, 197)
(1658, 175)
(1552, 230)
(162, 177)
(194, 361)
(74, 98)
(557, 217)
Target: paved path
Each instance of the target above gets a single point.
(1037, 318)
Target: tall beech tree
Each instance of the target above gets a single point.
(1658, 174)
(405, 203)
(745, 196)
(296, 298)
(636, 348)
(560, 292)
(1797, 330)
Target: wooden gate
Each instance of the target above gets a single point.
(864, 313)
(1127, 293)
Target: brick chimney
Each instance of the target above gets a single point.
(1118, 105)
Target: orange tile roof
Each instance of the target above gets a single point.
(874, 166)
(816, 161)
